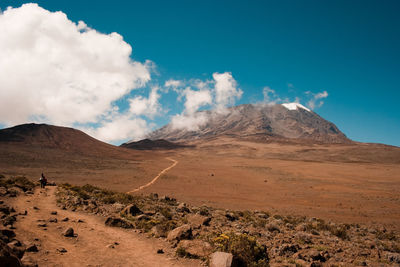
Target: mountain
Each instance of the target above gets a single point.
(147, 144)
(279, 121)
(56, 138)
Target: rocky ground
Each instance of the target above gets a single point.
(215, 236)
(254, 238)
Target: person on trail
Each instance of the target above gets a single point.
(42, 181)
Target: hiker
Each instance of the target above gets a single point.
(43, 181)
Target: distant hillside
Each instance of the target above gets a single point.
(56, 137)
(147, 144)
(288, 121)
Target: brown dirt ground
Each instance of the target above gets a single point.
(354, 183)
(90, 247)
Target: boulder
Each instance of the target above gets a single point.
(9, 220)
(221, 259)
(30, 247)
(5, 209)
(69, 232)
(3, 191)
(118, 222)
(158, 231)
(180, 233)
(27, 261)
(196, 248)
(131, 210)
(182, 208)
(393, 257)
(197, 220)
(7, 257)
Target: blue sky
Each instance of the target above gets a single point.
(348, 48)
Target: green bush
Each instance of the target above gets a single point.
(245, 249)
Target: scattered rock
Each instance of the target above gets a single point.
(131, 210)
(42, 225)
(53, 213)
(31, 248)
(27, 261)
(393, 257)
(196, 248)
(3, 191)
(69, 232)
(180, 233)
(158, 231)
(53, 220)
(221, 259)
(231, 216)
(35, 208)
(5, 209)
(272, 227)
(66, 219)
(182, 208)
(196, 220)
(9, 220)
(110, 246)
(160, 251)
(62, 250)
(118, 222)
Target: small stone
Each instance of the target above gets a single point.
(65, 219)
(69, 232)
(53, 213)
(42, 225)
(110, 246)
(31, 248)
(80, 221)
(160, 251)
(35, 208)
(53, 220)
(61, 250)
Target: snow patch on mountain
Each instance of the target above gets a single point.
(295, 106)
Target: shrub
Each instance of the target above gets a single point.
(245, 249)
(21, 182)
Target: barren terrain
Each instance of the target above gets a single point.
(353, 183)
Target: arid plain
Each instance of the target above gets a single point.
(348, 183)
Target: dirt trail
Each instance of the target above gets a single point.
(155, 178)
(91, 247)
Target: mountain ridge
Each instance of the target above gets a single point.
(274, 121)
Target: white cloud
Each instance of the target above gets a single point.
(173, 83)
(149, 107)
(120, 128)
(226, 91)
(315, 101)
(196, 99)
(220, 92)
(190, 122)
(62, 72)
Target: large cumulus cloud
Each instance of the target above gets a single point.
(61, 72)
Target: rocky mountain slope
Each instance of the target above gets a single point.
(287, 121)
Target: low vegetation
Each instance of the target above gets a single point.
(254, 238)
(20, 182)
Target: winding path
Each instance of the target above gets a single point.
(155, 178)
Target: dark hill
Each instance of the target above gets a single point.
(147, 144)
(57, 138)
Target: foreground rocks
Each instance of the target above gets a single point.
(254, 238)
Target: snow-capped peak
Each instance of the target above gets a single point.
(294, 106)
